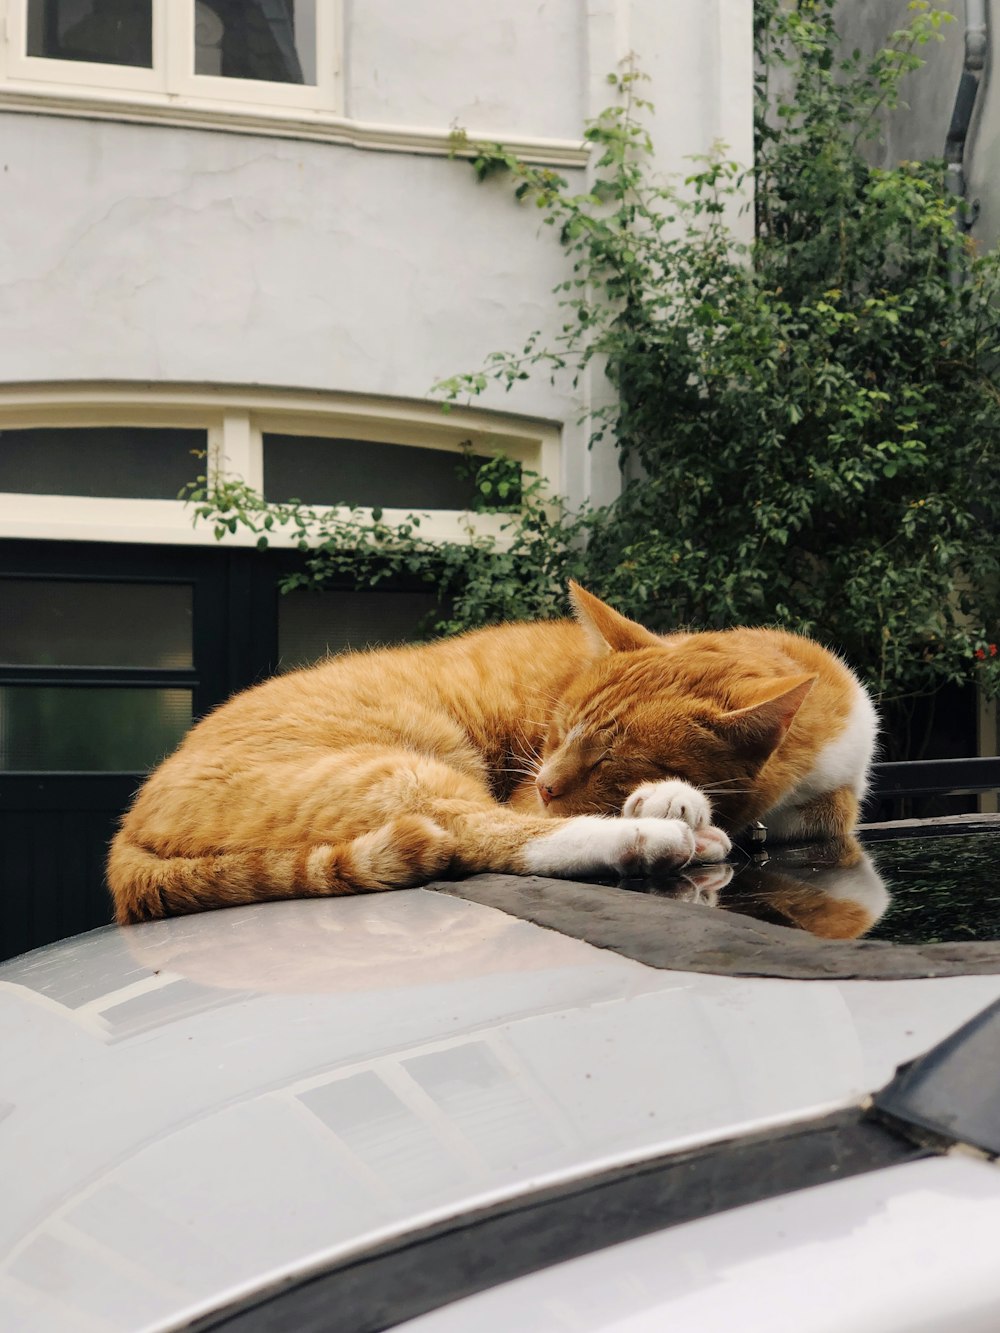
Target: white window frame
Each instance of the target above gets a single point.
(172, 76)
(236, 421)
(172, 94)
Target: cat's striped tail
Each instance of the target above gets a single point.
(406, 851)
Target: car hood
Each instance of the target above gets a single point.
(194, 1108)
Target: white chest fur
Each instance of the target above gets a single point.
(844, 761)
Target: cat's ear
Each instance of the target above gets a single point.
(758, 729)
(608, 631)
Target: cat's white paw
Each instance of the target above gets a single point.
(703, 884)
(711, 844)
(591, 844)
(670, 799)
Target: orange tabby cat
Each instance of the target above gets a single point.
(506, 749)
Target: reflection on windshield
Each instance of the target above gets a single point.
(943, 888)
(832, 889)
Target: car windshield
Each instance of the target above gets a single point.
(935, 889)
(910, 900)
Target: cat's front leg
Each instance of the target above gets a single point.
(672, 798)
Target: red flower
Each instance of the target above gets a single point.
(980, 653)
(993, 650)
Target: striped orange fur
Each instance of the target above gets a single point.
(494, 751)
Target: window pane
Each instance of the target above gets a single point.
(365, 472)
(60, 728)
(113, 32)
(256, 39)
(312, 625)
(122, 462)
(62, 623)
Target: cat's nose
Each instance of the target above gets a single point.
(546, 791)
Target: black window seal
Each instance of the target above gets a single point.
(426, 1270)
(950, 1096)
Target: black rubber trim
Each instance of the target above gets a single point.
(921, 777)
(952, 1094)
(427, 1270)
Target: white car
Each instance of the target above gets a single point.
(501, 1105)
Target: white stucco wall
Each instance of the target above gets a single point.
(155, 253)
(515, 67)
(919, 127)
(983, 150)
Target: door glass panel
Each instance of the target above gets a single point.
(313, 625)
(73, 728)
(113, 32)
(366, 472)
(55, 622)
(273, 40)
(119, 462)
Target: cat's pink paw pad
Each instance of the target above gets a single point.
(670, 799)
(711, 844)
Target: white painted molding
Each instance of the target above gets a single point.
(189, 113)
(141, 402)
(171, 523)
(235, 418)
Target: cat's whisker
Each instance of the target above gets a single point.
(522, 764)
(527, 752)
(523, 753)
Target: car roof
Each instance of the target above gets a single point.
(197, 1108)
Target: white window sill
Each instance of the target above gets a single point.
(288, 123)
(172, 523)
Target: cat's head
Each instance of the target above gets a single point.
(626, 720)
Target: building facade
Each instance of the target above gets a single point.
(234, 231)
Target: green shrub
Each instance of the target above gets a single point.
(808, 423)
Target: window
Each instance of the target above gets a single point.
(116, 32)
(95, 675)
(262, 66)
(56, 728)
(273, 40)
(108, 463)
(260, 52)
(85, 623)
(133, 462)
(325, 471)
(314, 625)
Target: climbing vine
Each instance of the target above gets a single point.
(808, 421)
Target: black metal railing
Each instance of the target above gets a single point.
(935, 777)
